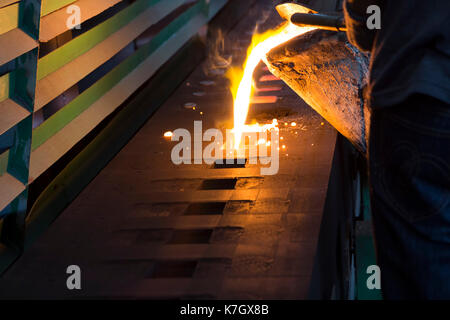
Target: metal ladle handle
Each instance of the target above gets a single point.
(321, 21)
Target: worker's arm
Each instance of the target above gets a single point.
(355, 12)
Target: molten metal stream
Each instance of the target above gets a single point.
(242, 80)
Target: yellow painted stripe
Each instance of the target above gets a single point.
(15, 43)
(48, 6)
(5, 3)
(10, 188)
(11, 114)
(62, 79)
(4, 162)
(86, 41)
(4, 87)
(9, 18)
(55, 23)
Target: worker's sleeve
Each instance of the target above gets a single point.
(356, 22)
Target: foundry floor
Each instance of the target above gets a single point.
(130, 231)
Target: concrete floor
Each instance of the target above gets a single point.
(135, 232)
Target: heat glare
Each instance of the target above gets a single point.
(242, 78)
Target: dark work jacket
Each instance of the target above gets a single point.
(409, 54)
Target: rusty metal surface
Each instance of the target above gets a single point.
(328, 73)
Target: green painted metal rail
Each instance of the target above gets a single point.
(34, 136)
